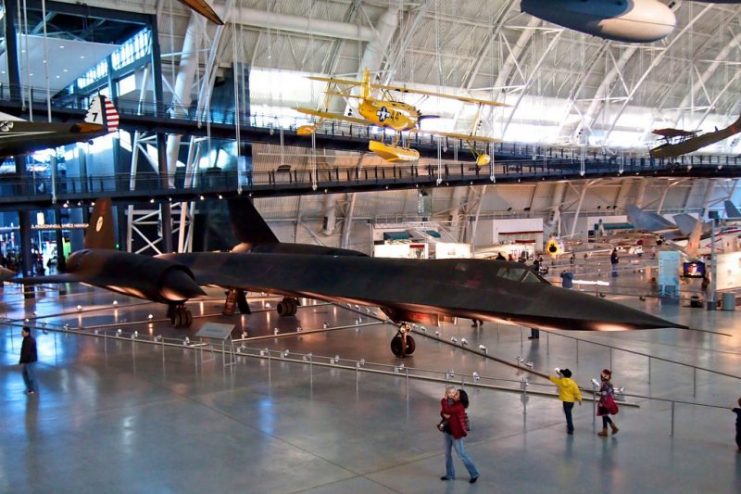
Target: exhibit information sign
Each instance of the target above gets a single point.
(215, 330)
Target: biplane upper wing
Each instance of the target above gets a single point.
(671, 133)
(465, 99)
(408, 90)
(334, 80)
(333, 116)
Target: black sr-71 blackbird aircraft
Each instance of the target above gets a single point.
(424, 291)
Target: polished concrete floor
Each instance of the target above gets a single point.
(116, 415)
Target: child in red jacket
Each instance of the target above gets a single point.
(453, 411)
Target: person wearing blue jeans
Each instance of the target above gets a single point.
(28, 361)
(453, 412)
(568, 393)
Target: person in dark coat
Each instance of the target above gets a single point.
(453, 411)
(28, 361)
(737, 411)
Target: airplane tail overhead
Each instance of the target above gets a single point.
(99, 233)
(103, 112)
(737, 124)
(731, 210)
(686, 223)
(247, 224)
(647, 220)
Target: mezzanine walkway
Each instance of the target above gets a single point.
(512, 162)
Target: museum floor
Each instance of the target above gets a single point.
(118, 413)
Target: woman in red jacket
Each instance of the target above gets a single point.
(453, 411)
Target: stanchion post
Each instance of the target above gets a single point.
(577, 351)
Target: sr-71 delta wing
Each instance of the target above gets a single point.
(18, 136)
(422, 291)
(406, 290)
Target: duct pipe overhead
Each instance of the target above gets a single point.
(304, 25)
(375, 50)
(182, 97)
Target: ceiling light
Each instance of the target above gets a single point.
(61, 47)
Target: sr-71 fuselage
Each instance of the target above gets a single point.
(419, 290)
(406, 290)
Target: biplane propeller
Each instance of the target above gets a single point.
(388, 112)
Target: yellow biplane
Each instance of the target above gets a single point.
(387, 112)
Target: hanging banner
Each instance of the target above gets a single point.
(669, 271)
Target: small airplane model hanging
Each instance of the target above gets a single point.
(18, 136)
(388, 112)
(679, 142)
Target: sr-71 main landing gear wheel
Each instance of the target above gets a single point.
(403, 344)
(180, 316)
(287, 307)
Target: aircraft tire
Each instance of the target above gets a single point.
(178, 319)
(287, 307)
(396, 346)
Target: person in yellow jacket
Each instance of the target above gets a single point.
(568, 393)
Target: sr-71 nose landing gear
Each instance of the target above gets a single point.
(403, 344)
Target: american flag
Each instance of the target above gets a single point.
(111, 116)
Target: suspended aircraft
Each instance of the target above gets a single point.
(18, 136)
(687, 234)
(388, 112)
(202, 7)
(679, 142)
(633, 21)
(732, 212)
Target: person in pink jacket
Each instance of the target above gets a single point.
(454, 414)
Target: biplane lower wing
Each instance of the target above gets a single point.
(459, 135)
(332, 116)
